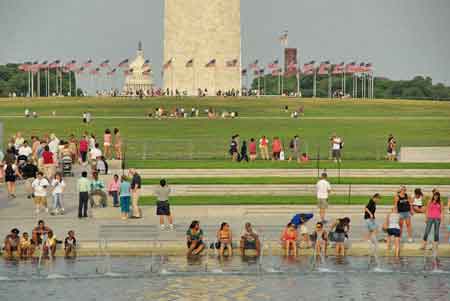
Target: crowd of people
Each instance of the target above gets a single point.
(42, 238)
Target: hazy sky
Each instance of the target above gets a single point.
(402, 38)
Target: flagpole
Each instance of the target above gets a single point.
(344, 83)
(32, 84)
(259, 84)
(279, 81)
(298, 82)
(373, 86)
(314, 84)
(29, 83)
(330, 83)
(193, 78)
(265, 90)
(38, 82)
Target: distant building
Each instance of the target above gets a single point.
(139, 77)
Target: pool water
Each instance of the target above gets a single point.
(275, 278)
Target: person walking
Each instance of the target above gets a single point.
(434, 216)
(113, 190)
(294, 147)
(162, 193)
(392, 227)
(28, 172)
(136, 183)
(277, 148)
(48, 160)
(403, 204)
(117, 144)
(83, 148)
(244, 156)
(83, 187)
(40, 188)
(323, 189)
(58, 186)
(107, 141)
(336, 146)
(369, 218)
(125, 194)
(264, 148)
(10, 171)
(252, 149)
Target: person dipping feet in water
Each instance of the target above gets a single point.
(194, 239)
(12, 242)
(289, 239)
(70, 245)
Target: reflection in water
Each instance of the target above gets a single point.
(240, 279)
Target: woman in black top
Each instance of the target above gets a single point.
(403, 204)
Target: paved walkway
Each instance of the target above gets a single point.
(255, 173)
(290, 189)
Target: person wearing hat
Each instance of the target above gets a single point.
(12, 241)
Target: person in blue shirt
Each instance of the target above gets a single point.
(125, 196)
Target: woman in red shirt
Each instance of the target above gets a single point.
(84, 148)
(276, 148)
(252, 149)
(49, 163)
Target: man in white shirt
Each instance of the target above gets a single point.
(40, 187)
(336, 146)
(25, 149)
(323, 189)
(95, 152)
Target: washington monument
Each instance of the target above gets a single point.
(202, 46)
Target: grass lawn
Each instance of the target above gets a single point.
(262, 200)
(281, 180)
(365, 128)
(227, 164)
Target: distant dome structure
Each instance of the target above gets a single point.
(139, 77)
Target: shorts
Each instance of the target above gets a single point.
(162, 208)
(303, 230)
(336, 153)
(393, 232)
(250, 244)
(106, 144)
(404, 215)
(125, 204)
(448, 228)
(339, 237)
(199, 243)
(40, 200)
(322, 203)
(371, 225)
(10, 178)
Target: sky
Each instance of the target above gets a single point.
(402, 38)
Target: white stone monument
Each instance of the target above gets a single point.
(197, 32)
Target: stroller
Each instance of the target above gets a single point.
(66, 166)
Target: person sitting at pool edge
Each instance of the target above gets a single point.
(249, 240)
(50, 245)
(320, 240)
(225, 239)
(194, 239)
(70, 244)
(289, 239)
(25, 249)
(12, 241)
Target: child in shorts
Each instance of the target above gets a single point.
(25, 246)
(70, 244)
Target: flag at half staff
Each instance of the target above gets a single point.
(338, 68)
(168, 64)
(351, 68)
(54, 64)
(211, 63)
(112, 72)
(70, 65)
(274, 64)
(25, 66)
(324, 68)
(190, 63)
(88, 63)
(95, 71)
(244, 72)
(80, 70)
(232, 63)
(104, 64)
(123, 63)
(146, 64)
(254, 65)
(308, 68)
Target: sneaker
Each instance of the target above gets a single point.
(162, 227)
(171, 228)
(46, 209)
(410, 240)
(37, 211)
(62, 211)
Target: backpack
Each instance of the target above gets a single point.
(9, 172)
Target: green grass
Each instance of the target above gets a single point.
(184, 139)
(293, 180)
(227, 164)
(261, 200)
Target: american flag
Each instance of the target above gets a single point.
(80, 70)
(54, 64)
(284, 37)
(254, 65)
(43, 65)
(95, 71)
(146, 64)
(35, 67)
(147, 72)
(277, 72)
(65, 70)
(128, 71)
(104, 64)
(338, 68)
(25, 66)
(261, 71)
(232, 63)
(71, 64)
(368, 67)
(112, 72)
(190, 63)
(256, 72)
(324, 67)
(211, 63)
(88, 63)
(244, 72)
(308, 68)
(274, 64)
(168, 64)
(123, 63)
(351, 67)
